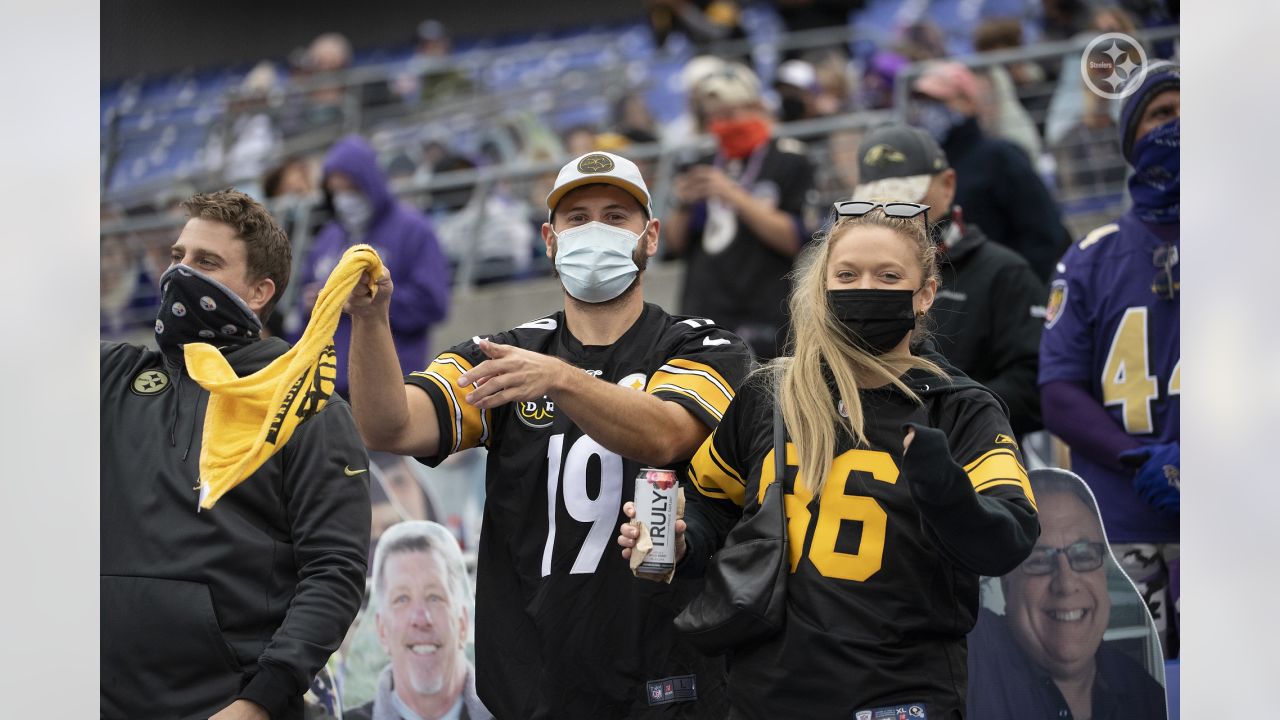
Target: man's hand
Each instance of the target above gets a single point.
(241, 710)
(1158, 479)
(628, 534)
(364, 303)
(512, 374)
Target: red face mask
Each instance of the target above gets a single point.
(739, 137)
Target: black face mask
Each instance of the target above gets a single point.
(877, 320)
(197, 308)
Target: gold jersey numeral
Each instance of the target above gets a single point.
(835, 508)
(1125, 378)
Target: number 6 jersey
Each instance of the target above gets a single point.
(563, 630)
(877, 611)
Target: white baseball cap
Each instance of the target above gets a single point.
(600, 167)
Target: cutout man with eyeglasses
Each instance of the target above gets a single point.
(1046, 657)
(1110, 353)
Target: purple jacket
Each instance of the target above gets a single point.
(407, 244)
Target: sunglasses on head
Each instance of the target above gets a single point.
(1165, 257)
(858, 208)
(1082, 556)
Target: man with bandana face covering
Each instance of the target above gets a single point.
(223, 613)
(570, 406)
(1110, 354)
(740, 214)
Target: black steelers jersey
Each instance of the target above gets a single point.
(563, 630)
(876, 613)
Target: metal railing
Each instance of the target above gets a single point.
(355, 112)
(1090, 196)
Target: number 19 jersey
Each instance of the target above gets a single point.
(563, 630)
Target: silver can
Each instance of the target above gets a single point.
(656, 497)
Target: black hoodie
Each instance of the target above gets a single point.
(989, 313)
(247, 600)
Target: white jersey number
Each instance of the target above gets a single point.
(601, 511)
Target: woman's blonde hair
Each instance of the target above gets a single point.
(820, 348)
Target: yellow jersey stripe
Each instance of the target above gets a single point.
(470, 425)
(999, 467)
(710, 481)
(715, 412)
(455, 413)
(1026, 489)
(711, 475)
(710, 491)
(724, 467)
(696, 377)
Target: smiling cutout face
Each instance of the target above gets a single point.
(1058, 619)
(420, 625)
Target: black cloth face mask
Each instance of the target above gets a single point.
(876, 320)
(196, 308)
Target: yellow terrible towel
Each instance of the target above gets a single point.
(250, 418)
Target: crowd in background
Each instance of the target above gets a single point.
(264, 142)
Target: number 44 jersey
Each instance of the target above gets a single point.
(1114, 328)
(563, 630)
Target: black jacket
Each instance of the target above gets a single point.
(1000, 191)
(246, 600)
(989, 313)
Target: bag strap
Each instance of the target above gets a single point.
(779, 452)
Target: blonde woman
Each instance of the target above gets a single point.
(904, 486)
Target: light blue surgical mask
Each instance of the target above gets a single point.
(353, 210)
(595, 260)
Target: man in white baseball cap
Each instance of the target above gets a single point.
(570, 407)
(600, 167)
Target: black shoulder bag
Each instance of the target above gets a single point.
(744, 598)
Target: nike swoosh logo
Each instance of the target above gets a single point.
(353, 473)
(721, 341)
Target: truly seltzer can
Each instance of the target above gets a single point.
(656, 491)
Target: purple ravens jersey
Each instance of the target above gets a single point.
(1109, 328)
